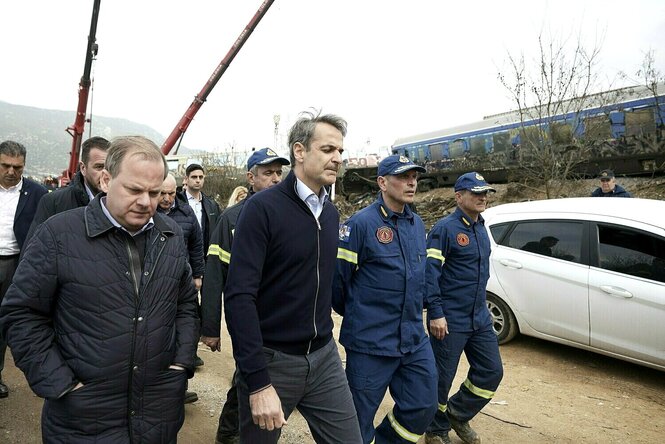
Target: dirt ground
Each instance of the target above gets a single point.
(550, 393)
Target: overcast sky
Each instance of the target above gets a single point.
(391, 68)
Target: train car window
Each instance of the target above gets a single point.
(436, 151)
(477, 146)
(422, 155)
(501, 142)
(530, 137)
(562, 133)
(456, 149)
(640, 122)
(632, 252)
(597, 128)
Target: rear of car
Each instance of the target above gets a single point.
(585, 272)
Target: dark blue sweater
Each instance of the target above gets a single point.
(618, 191)
(279, 288)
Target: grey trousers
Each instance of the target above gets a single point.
(316, 385)
(7, 268)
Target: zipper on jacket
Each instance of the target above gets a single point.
(318, 279)
(132, 254)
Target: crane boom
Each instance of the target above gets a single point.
(187, 118)
(76, 130)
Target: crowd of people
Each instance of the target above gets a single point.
(109, 284)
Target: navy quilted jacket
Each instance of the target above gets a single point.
(191, 232)
(81, 309)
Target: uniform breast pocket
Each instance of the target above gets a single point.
(386, 271)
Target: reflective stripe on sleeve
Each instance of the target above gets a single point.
(435, 253)
(443, 408)
(223, 255)
(347, 255)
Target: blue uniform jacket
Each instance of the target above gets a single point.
(458, 251)
(380, 281)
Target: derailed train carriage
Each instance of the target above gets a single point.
(621, 129)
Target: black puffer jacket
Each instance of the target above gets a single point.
(191, 232)
(81, 310)
(72, 196)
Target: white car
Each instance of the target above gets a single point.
(585, 272)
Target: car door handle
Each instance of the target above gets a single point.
(510, 263)
(616, 291)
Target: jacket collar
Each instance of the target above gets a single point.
(466, 220)
(387, 214)
(96, 222)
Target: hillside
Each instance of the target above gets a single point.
(42, 131)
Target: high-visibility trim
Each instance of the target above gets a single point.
(347, 255)
(372, 441)
(400, 430)
(223, 255)
(443, 408)
(487, 394)
(435, 253)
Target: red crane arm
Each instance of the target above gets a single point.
(76, 130)
(187, 118)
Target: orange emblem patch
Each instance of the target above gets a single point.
(462, 239)
(384, 235)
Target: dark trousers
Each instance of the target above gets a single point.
(7, 268)
(316, 385)
(412, 381)
(481, 348)
(228, 420)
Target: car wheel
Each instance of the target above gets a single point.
(503, 319)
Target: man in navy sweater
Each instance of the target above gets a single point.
(278, 296)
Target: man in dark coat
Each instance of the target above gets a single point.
(191, 232)
(609, 187)
(205, 208)
(81, 190)
(101, 315)
(18, 201)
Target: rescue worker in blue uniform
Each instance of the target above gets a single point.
(458, 250)
(379, 288)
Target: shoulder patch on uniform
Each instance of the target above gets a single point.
(344, 232)
(462, 239)
(384, 235)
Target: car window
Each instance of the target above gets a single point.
(557, 239)
(632, 252)
(499, 230)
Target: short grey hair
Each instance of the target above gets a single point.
(303, 130)
(12, 149)
(140, 146)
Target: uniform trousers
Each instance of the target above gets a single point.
(412, 381)
(481, 348)
(315, 384)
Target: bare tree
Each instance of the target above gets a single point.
(559, 81)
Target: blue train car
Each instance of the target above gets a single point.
(626, 134)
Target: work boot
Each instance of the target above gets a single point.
(433, 438)
(191, 397)
(463, 430)
(198, 362)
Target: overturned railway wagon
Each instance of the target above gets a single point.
(621, 129)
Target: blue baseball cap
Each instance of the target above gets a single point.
(396, 164)
(473, 182)
(265, 156)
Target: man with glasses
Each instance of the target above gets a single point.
(609, 187)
